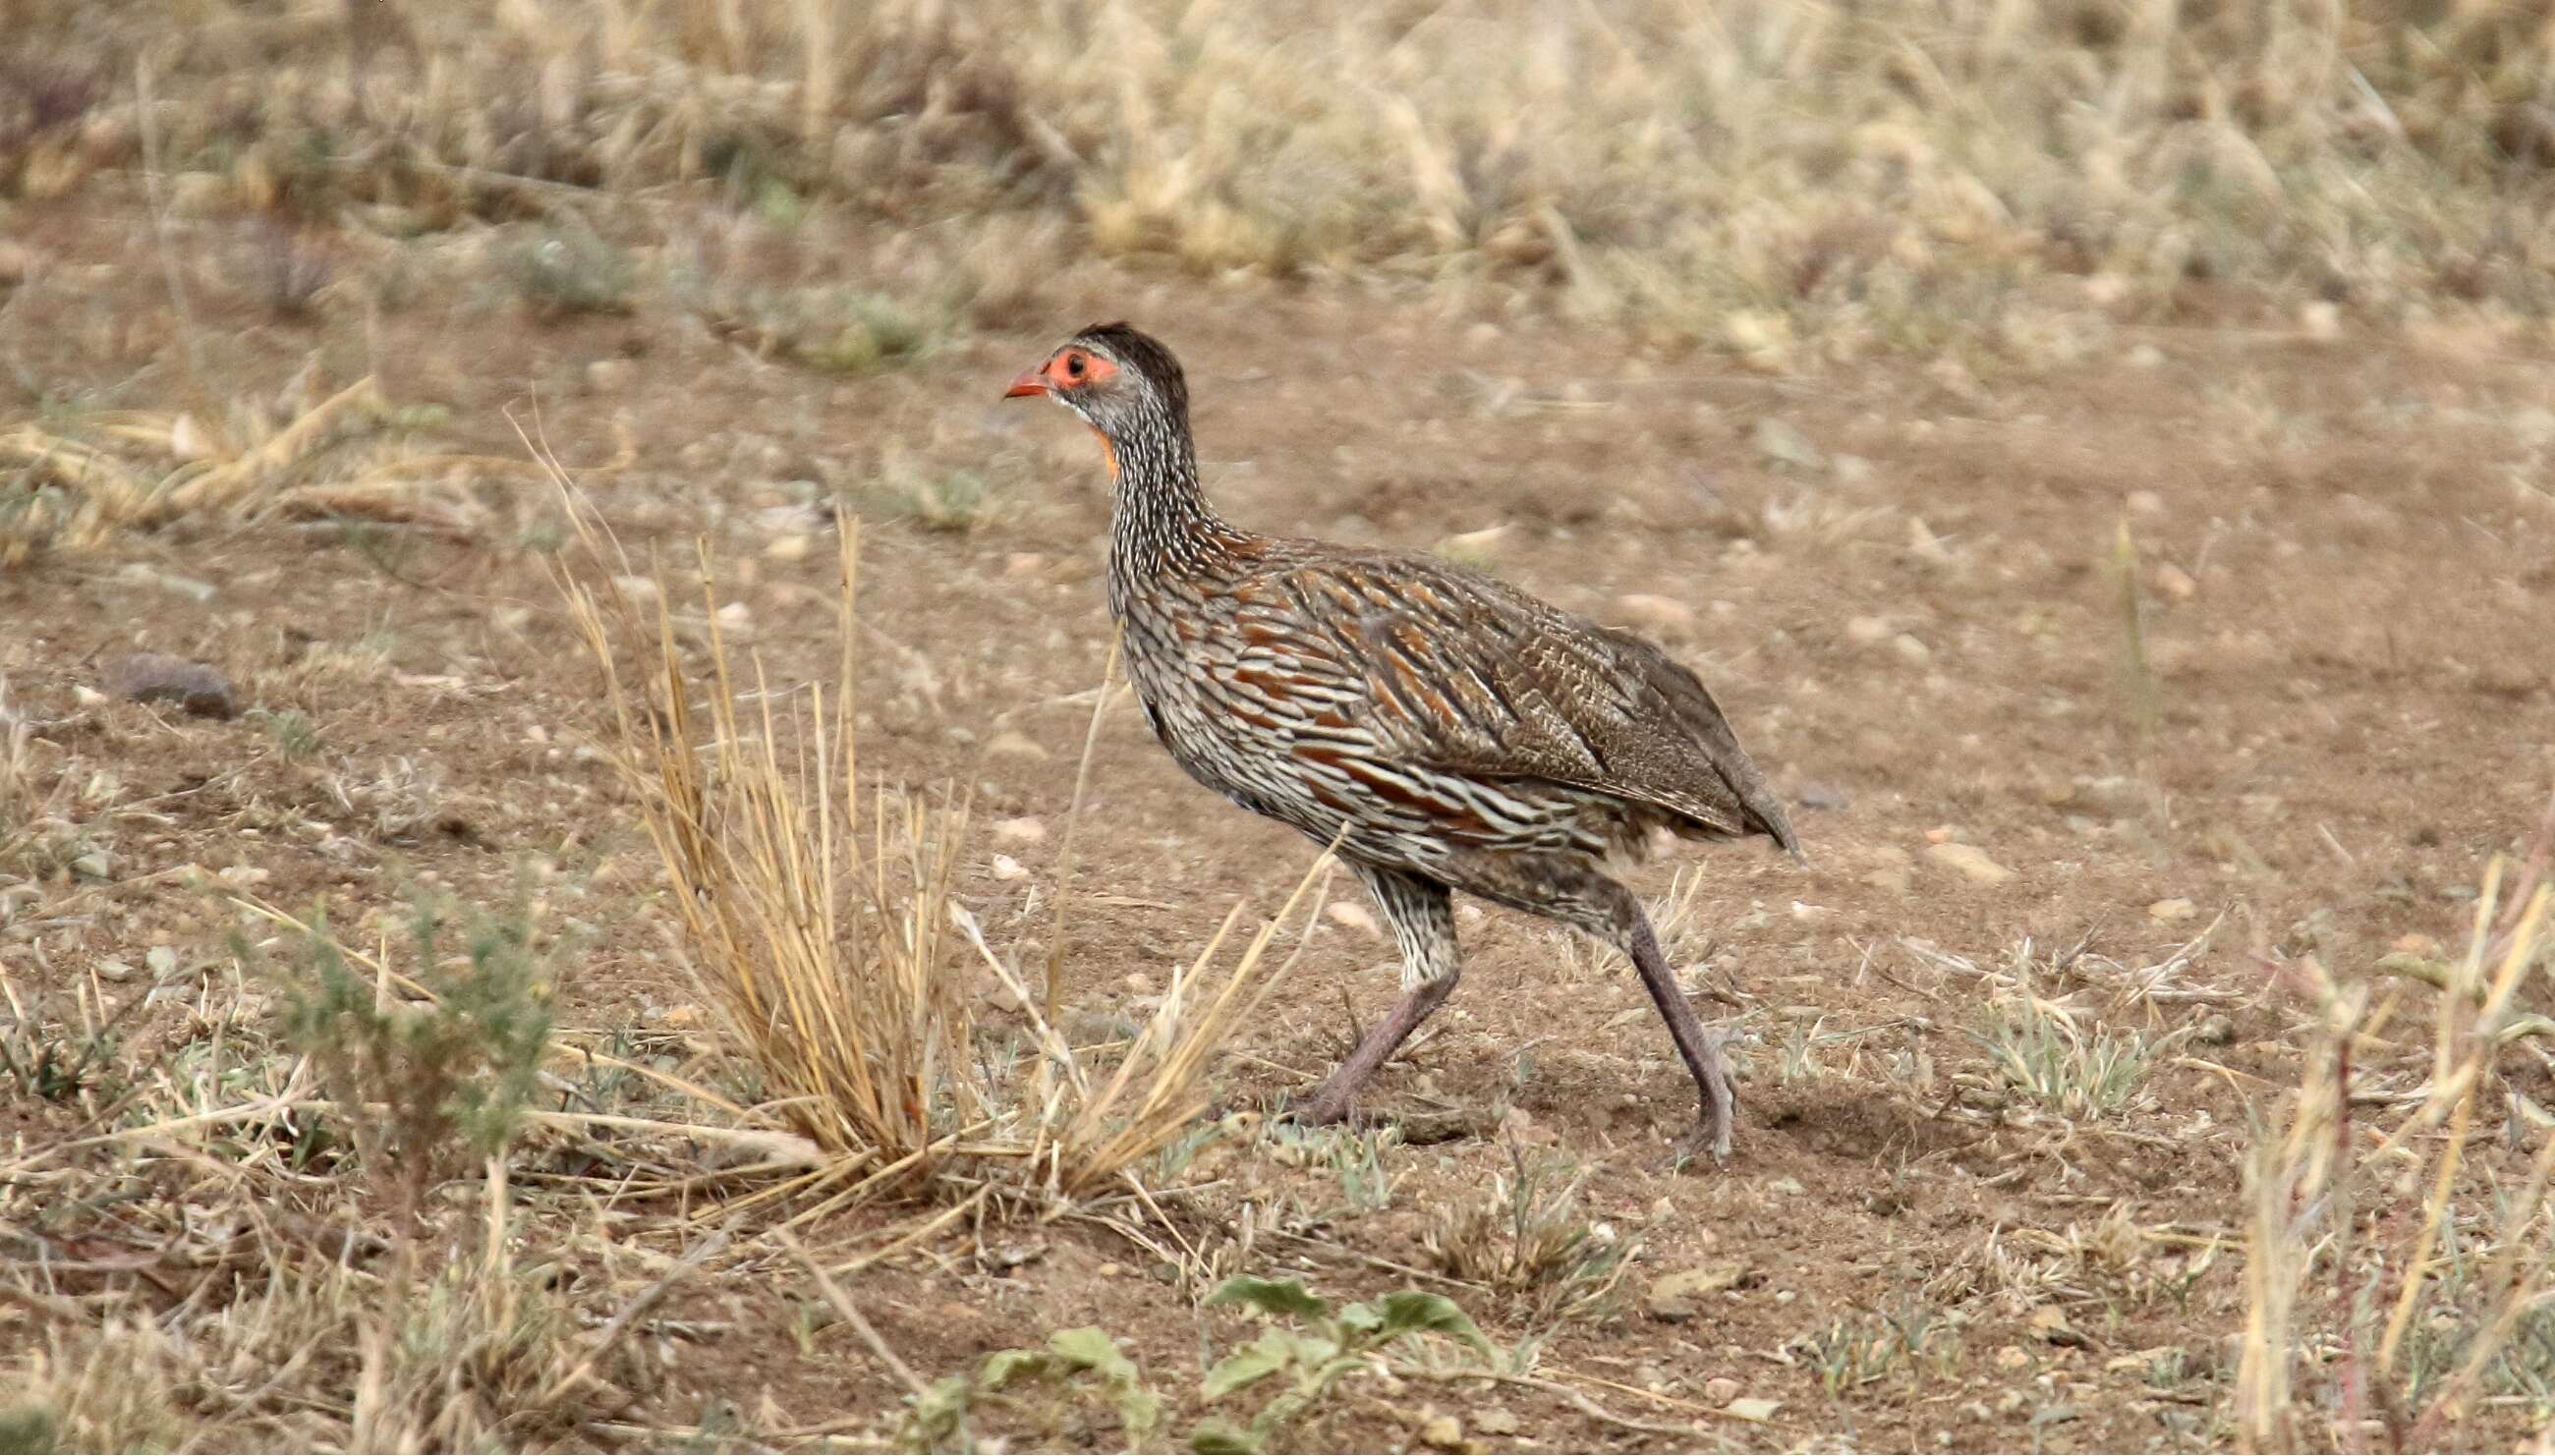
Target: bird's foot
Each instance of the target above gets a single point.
(1711, 1130)
(1703, 1140)
(1321, 1110)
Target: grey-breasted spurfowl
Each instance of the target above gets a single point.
(1450, 731)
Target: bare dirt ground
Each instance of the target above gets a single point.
(1904, 583)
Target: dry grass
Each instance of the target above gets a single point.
(819, 915)
(73, 482)
(1784, 179)
(2397, 1263)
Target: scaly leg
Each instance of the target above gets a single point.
(1578, 893)
(1422, 914)
(1700, 1048)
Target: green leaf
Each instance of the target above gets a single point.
(1090, 1348)
(1257, 1360)
(1271, 1296)
(1006, 1366)
(937, 1414)
(1409, 1311)
(1216, 1436)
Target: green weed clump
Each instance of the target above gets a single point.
(424, 1088)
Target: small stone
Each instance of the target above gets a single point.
(1024, 564)
(1851, 469)
(2215, 1029)
(1752, 1408)
(2175, 583)
(168, 581)
(791, 548)
(2322, 319)
(1442, 1434)
(1785, 445)
(1354, 916)
(2145, 503)
(609, 376)
(736, 617)
(1656, 611)
(2171, 911)
(1792, 1186)
(1008, 868)
(1969, 860)
(1815, 795)
(1138, 983)
(1472, 545)
(1672, 1295)
(157, 678)
(2012, 1357)
(1721, 1390)
(1914, 653)
(1011, 743)
(1498, 1420)
(2051, 1323)
(1865, 631)
(2146, 356)
(1520, 1128)
(1023, 830)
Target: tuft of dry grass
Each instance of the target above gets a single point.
(820, 917)
(1528, 1238)
(71, 484)
(2397, 1258)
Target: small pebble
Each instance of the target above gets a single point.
(1970, 861)
(1654, 610)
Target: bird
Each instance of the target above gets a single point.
(1442, 730)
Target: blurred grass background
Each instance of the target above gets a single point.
(1787, 180)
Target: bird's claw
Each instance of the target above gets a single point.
(1321, 1110)
(1711, 1130)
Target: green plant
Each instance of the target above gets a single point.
(1308, 1353)
(1082, 1364)
(421, 1087)
(294, 735)
(54, 1059)
(953, 501)
(566, 267)
(1527, 1237)
(2038, 1047)
(1857, 1350)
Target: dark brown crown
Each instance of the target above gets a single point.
(1141, 354)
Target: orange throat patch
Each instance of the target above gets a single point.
(1107, 452)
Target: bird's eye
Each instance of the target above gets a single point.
(1073, 365)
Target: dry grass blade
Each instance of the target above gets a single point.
(820, 936)
(2450, 1312)
(817, 915)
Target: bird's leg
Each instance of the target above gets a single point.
(1700, 1048)
(1423, 922)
